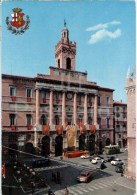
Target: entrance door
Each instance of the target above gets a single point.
(92, 143)
(45, 149)
(29, 148)
(82, 145)
(107, 142)
(58, 145)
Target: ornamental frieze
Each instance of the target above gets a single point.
(69, 51)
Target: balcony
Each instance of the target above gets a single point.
(44, 100)
(29, 99)
(90, 103)
(29, 127)
(13, 98)
(57, 101)
(13, 127)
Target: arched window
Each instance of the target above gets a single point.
(68, 63)
(57, 120)
(58, 63)
(43, 120)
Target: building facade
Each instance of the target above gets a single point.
(131, 124)
(120, 123)
(33, 108)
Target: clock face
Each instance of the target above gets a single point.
(69, 96)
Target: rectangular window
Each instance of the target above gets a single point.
(12, 119)
(79, 98)
(90, 120)
(12, 91)
(99, 122)
(29, 119)
(29, 93)
(43, 94)
(107, 101)
(99, 100)
(108, 122)
(57, 95)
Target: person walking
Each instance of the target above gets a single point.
(66, 191)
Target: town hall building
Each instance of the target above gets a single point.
(40, 108)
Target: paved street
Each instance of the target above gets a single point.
(104, 182)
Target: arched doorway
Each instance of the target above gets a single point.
(92, 143)
(107, 142)
(45, 148)
(58, 145)
(82, 144)
(13, 153)
(29, 148)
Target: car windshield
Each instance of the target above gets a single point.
(83, 174)
(117, 159)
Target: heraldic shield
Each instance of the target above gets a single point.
(18, 25)
(17, 18)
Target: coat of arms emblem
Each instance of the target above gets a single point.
(18, 25)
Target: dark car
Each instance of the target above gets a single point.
(38, 162)
(109, 158)
(119, 168)
(101, 165)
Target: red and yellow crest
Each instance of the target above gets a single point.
(17, 18)
(18, 25)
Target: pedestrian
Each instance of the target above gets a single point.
(32, 187)
(66, 191)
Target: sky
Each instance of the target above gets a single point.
(103, 30)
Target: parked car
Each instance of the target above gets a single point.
(117, 161)
(101, 165)
(96, 160)
(85, 176)
(119, 168)
(109, 158)
(85, 156)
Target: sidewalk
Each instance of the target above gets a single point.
(128, 183)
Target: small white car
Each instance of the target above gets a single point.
(96, 160)
(85, 156)
(117, 161)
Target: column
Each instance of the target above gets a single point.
(63, 108)
(75, 108)
(51, 109)
(37, 106)
(95, 110)
(85, 109)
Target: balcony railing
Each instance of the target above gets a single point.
(105, 126)
(13, 127)
(13, 98)
(29, 99)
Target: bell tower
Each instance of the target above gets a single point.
(65, 51)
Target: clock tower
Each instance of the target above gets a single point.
(65, 51)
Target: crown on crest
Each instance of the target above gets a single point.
(17, 10)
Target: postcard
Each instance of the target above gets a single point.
(68, 97)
